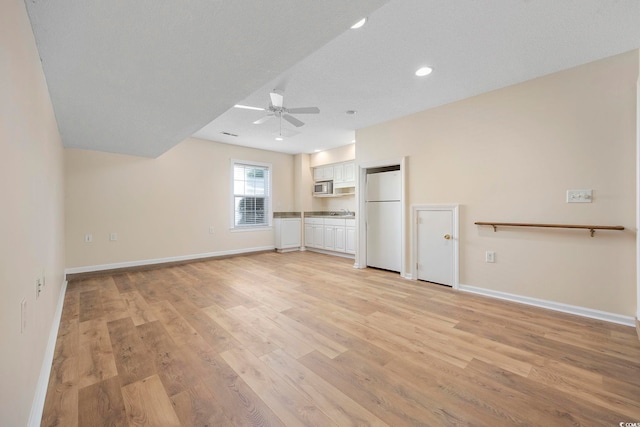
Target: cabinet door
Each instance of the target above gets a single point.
(340, 239)
(350, 172)
(338, 174)
(318, 174)
(329, 237)
(290, 233)
(318, 236)
(308, 235)
(327, 172)
(350, 246)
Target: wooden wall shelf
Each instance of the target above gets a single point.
(592, 228)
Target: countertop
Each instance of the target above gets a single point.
(287, 215)
(336, 215)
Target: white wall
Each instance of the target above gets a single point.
(31, 217)
(162, 207)
(509, 156)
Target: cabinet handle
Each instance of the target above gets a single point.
(447, 236)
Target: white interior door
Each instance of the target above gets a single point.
(384, 235)
(435, 246)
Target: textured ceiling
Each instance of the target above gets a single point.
(137, 77)
(474, 47)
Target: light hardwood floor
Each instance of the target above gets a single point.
(305, 339)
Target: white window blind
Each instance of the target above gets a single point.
(251, 194)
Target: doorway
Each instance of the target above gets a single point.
(435, 244)
(364, 169)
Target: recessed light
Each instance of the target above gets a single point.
(359, 24)
(317, 150)
(279, 138)
(353, 141)
(351, 112)
(423, 71)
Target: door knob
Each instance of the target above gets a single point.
(447, 236)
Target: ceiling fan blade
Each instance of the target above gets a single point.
(277, 98)
(304, 110)
(292, 120)
(262, 120)
(248, 107)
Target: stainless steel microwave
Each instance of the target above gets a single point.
(322, 188)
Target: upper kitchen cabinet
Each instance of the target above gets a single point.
(323, 173)
(344, 175)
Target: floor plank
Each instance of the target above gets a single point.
(147, 404)
(102, 404)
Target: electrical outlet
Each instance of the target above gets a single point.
(113, 236)
(39, 285)
(211, 230)
(88, 238)
(490, 256)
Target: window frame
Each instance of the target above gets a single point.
(268, 197)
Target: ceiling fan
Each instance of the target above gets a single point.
(277, 109)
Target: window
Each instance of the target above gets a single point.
(251, 194)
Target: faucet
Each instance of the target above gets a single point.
(346, 212)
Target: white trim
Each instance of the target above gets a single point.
(101, 267)
(361, 226)
(251, 228)
(37, 407)
(552, 305)
(454, 209)
(327, 252)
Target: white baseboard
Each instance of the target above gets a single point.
(552, 305)
(408, 276)
(101, 267)
(284, 251)
(322, 251)
(37, 407)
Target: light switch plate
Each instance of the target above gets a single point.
(579, 196)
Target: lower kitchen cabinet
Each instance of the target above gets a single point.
(339, 239)
(330, 234)
(288, 233)
(350, 237)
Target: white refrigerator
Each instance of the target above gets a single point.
(384, 220)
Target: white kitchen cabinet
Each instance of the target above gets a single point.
(323, 173)
(338, 173)
(330, 234)
(350, 172)
(350, 236)
(329, 238)
(339, 239)
(288, 234)
(344, 175)
(334, 239)
(318, 236)
(314, 232)
(308, 235)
